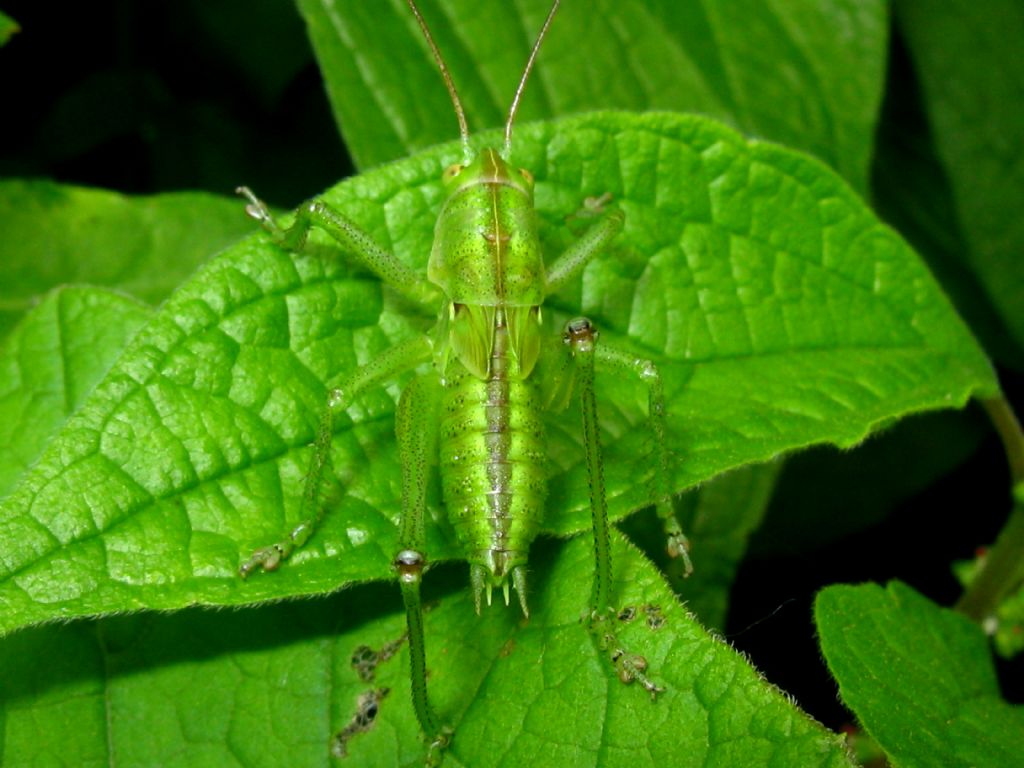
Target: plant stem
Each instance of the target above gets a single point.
(1006, 424)
(1002, 571)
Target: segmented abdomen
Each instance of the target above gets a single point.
(492, 458)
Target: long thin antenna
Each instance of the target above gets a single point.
(526, 73)
(459, 112)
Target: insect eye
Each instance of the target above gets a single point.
(526, 175)
(452, 171)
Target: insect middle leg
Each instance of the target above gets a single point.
(581, 337)
(399, 358)
(647, 372)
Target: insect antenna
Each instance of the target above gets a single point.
(449, 83)
(526, 73)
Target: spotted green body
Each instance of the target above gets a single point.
(493, 466)
(488, 261)
(486, 249)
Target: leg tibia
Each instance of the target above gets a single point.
(647, 372)
(581, 336)
(410, 564)
(312, 511)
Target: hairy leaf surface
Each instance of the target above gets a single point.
(247, 688)
(56, 233)
(919, 677)
(51, 362)
(780, 312)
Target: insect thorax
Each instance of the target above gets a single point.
(486, 249)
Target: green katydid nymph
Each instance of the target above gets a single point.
(476, 408)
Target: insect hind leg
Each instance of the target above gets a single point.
(581, 337)
(645, 370)
(416, 426)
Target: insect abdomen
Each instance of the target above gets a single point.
(492, 466)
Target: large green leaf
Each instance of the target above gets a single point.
(972, 76)
(807, 74)
(55, 234)
(780, 311)
(912, 192)
(269, 687)
(51, 362)
(919, 678)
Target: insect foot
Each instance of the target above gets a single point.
(265, 558)
(441, 742)
(592, 207)
(269, 558)
(258, 210)
(629, 667)
(679, 546)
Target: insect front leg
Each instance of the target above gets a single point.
(402, 357)
(647, 372)
(416, 425)
(577, 255)
(355, 242)
(581, 337)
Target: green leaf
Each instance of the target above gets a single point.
(911, 191)
(51, 362)
(273, 685)
(56, 234)
(780, 312)
(919, 678)
(807, 74)
(972, 78)
(8, 28)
